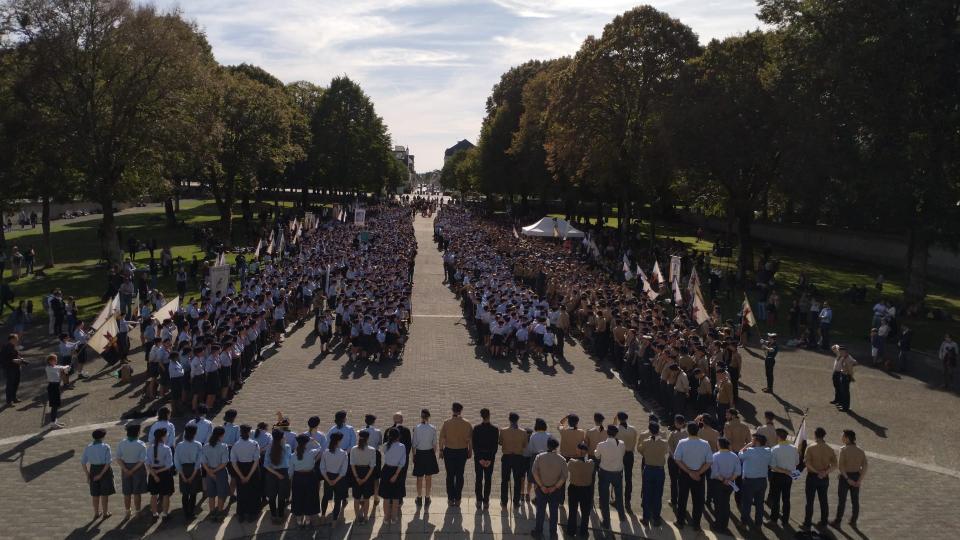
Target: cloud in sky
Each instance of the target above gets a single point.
(428, 64)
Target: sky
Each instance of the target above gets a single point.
(428, 65)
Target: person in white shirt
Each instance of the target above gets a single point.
(55, 374)
(333, 470)
(425, 465)
(245, 460)
(949, 354)
(610, 453)
(204, 426)
(785, 460)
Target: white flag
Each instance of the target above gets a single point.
(256, 252)
(658, 275)
(677, 295)
(108, 311)
(747, 312)
(167, 311)
(101, 338)
(699, 310)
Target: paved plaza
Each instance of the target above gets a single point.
(907, 427)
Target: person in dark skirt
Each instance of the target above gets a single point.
(95, 463)
(55, 374)
(363, 464)
(132, 458)
(305, 503)
(424, 442)
(160, 474)
(276, 464)
(333, 465)
(188, 463)
(245, 459)
(391, 489)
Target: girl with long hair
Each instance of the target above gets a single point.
(305, 504)
(160, 474)
(391, 490)
(216, 456)
(333, 470)
(276, 464)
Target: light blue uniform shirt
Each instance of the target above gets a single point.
(537, 443)
(726, 464)
(305, 463)
(96, 453)
(204, 429)
(756, 461)
(171, 438)
(334, 462)
(693, 453)
(245, 451)
(231, 433)
(214, 456)
(284, 459)
(164, 457)
(188, 452)
(131, 452)
(349, 435)
(785, 456)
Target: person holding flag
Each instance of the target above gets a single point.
(747, 320)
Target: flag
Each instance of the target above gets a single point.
(101, 338)
(651, 294)
(556, 229)
(107, 312)
(280, 245)
(699, 310)
(296, 235)
(256, 252)
(800, 441)
(515, 234)
(657, 274)
(694, 283)
(677, 295)
(674, 268)
(747, 312)
(221, 259)
(167, 311)
(293, 224)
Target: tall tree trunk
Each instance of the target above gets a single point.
(745, 255)
(170, 212)
(109, 244)
(45, 227)
(226, 221)
(918, 251)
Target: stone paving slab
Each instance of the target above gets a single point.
(44, 488)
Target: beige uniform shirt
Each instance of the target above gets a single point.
(852, 459)
(737, 433)
(455, 433)
(551, 468)
(627, 434)
(580, 472)
(569, 439)
(820, 457)
(513, 440)
(654, 451)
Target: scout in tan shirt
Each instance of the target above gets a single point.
(596, 435)
(570, 435)
(852, 464)
(735, 431)
(820, 459)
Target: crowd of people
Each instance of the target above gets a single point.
(355, 291)
(259, 466)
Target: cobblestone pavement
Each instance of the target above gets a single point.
(911, 490)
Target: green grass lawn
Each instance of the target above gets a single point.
(76, 252)
(832, 276)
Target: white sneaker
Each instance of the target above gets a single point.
(60, 424)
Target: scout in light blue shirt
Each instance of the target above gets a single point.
(204, 426)
(190, 452)
(726, 465)
(96, 453)
(756, 461)
(231, 431)
(95, 463)
(341, 426)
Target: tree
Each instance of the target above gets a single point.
(461, 172)
(897, 72)
(351, 147)
(254, 122)
(606, 112)
(110, 74)
(729, 128)
(306, 99)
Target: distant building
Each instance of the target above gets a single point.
(403, 155)
(459, 147)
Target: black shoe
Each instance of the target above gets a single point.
(426, 501)
(418, 501)
(834, 402)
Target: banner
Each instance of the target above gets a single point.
(360, 217)
(219, 279)
(674, 268)
(107, 312)
(167, 311)
(99, 341)
(308, 220)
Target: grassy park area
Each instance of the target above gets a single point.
(832, 276)
(76, 252)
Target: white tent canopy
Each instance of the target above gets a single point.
(552, 227)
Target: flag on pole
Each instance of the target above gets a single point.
(694, 283)
(256, 252)
(280, 245)
(515, 234)
(293, 224)
(556, 229)
(800, 441)
(677, 295)
(674, 268)
(167, 311)
(658, 275)
(221, 259)
(747, 312)
(651, 294)
(699, 310)
(101, 338)
(107, 312)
